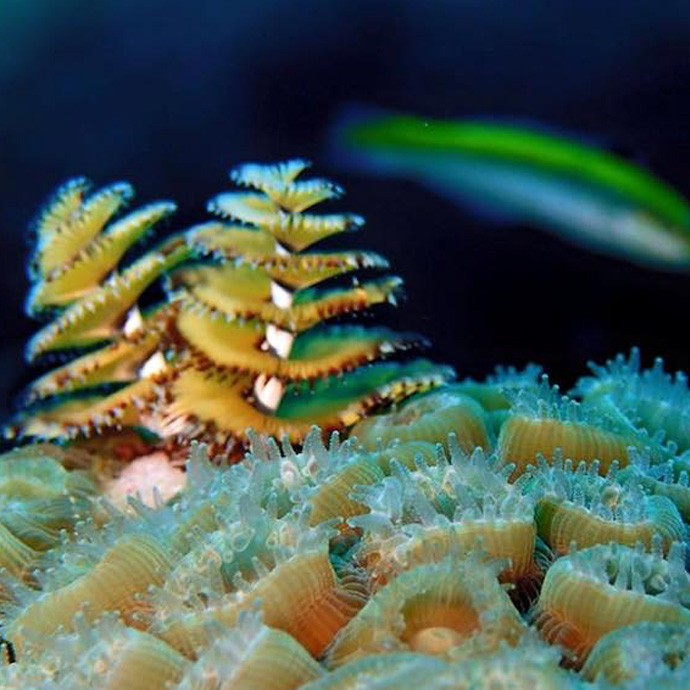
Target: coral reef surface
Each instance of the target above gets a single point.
(447, 547)
(345, 523)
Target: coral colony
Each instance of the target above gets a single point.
(220, 491)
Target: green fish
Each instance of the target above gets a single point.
(587, 195)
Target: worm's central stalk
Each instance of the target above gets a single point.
(269, 391)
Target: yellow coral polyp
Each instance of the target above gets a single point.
(509, 541)
(582, 508)
(251, 656)
(431, 609)
(430, 417)
(127, 570)
(592, 592)
(562, 525)
(333, 499)
(40, 503)
(302, 596)
(522, 440)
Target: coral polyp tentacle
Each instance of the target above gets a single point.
(650, 399)
(424, 515)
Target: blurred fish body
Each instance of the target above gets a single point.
(518, 174)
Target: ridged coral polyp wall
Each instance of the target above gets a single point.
(240, 341)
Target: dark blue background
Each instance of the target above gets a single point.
(170, 94)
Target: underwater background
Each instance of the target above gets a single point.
(169, 95)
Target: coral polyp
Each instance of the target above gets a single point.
(428, 418)
(658, 651)
(423, 516)
(126, 570)
(579, 507)
(432, 609)
(542, 422)
(650, 399)
(592, 592)
(103, 654)
(251, 656)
